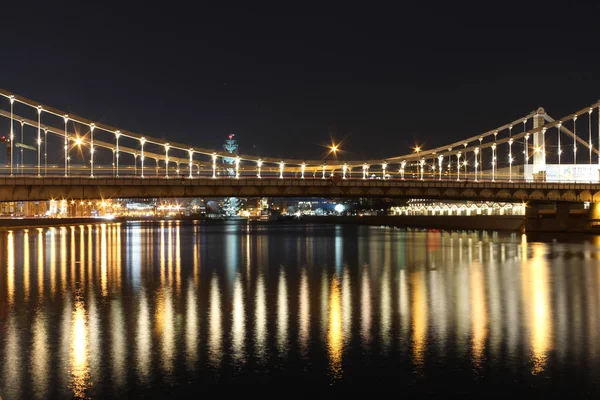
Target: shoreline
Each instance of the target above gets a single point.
(506, 223)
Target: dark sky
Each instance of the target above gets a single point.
(284, 79)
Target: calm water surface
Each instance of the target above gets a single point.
(118, 310)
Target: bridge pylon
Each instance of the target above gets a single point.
(539, 154)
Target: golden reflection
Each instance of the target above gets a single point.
(365, 312)
(536, 301)
(347, 305)
(260, 315)
(118, 343)
(403, 303)
(40, 260)
(215, 325)
(143, 338)
(162, 252)
(10, 269)
(96, 350)
(238, 328)
(103, 261)
(80, 375)
(90, 259)
(26, 265)
(82, 254)
(177, 260)
(386, 308)
(170, 269)
(11, 361)
(63, 258)
(196, 258)
(191, 327)
(335, 335)
(40, 355)
(304, 314)
(479, 315)
(72, 257)
(419, 322)
(52, 232)
(324, 304)
(282, 313)
(165, 320)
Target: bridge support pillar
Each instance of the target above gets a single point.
(531, 222)
(539, 154)
(594, 218)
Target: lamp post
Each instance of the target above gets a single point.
(167, 146)
(344, 168)
(214, 165)
(458, 166)
(302, 169)
(39, 140)
(191, 153)
(494, 162)
(476, 162)
(66, 118)
(259, 163)
(383, 168)
(510, 160)
(402, 167)
(12, 135)
(142, 141)
(117, 135)
(92, 126)
(281, 164)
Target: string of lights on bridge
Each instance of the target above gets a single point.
(449, 161)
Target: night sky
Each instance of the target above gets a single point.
(285, 79)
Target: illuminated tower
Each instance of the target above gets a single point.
(231, 147)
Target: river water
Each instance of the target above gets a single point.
(164, 308)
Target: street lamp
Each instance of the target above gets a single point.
(281, 164)
(510, 160)
(66, 118)
(39, 140)
(191, 153)
(167, 146)
(214, 165)
(476, 162)
(402, 166)
(259, 163)
(383, 168)
(494, 162)
(142, 141)
(92, 126)
(12, 135)
(117, 135)
(302, 169)
(344, 168)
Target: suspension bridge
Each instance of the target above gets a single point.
(56, 155)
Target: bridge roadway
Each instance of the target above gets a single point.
(45, 188)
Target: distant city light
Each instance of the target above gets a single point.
(339, 208)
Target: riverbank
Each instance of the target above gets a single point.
(509, 223)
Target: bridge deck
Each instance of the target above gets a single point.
(31, 188)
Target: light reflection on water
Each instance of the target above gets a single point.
(115, 309)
